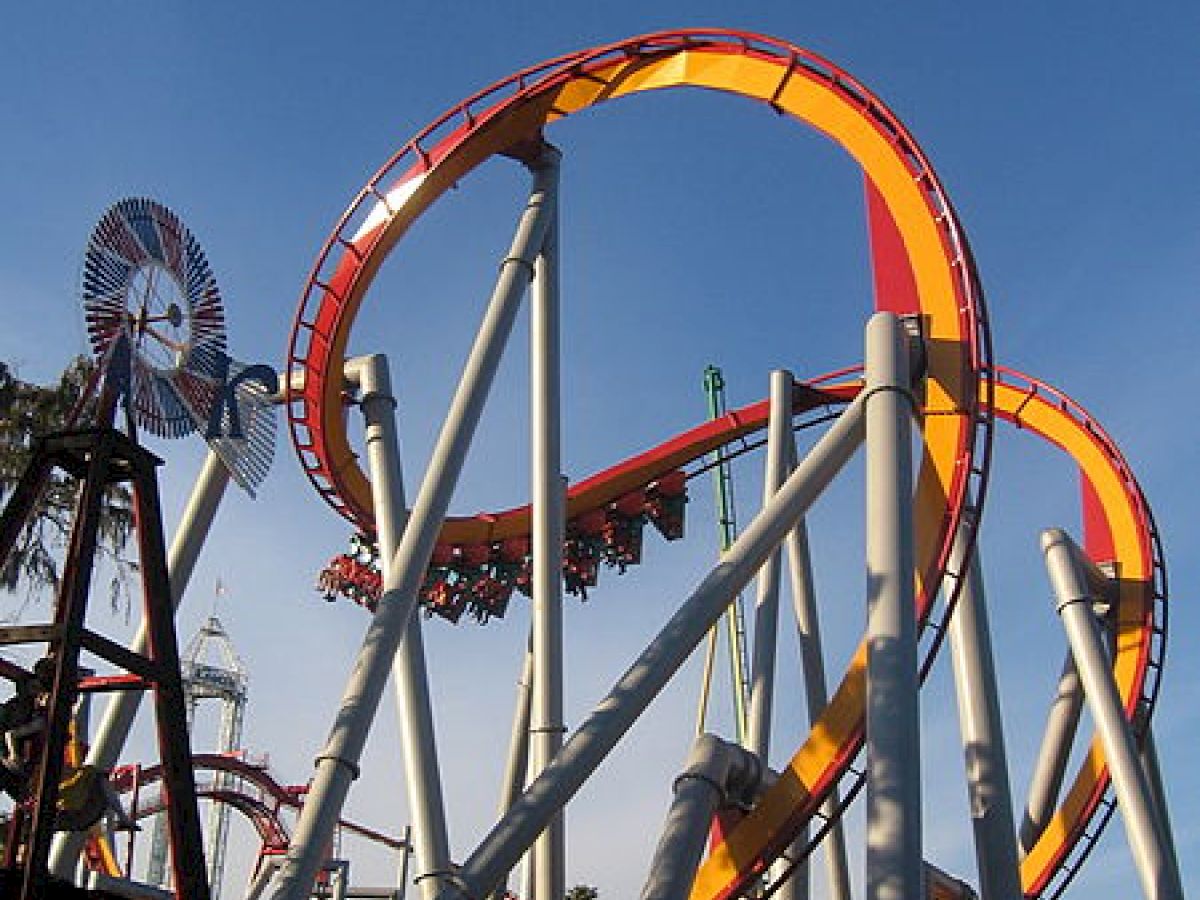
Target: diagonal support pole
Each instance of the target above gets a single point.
(421, 770)
(590, 744)
(337, 764)
(990, 798)
(804, 601)
(1069, 571)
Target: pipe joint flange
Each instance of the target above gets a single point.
(518, 261)
(906, 392)
(349, 766)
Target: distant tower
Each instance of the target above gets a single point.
(211, 671)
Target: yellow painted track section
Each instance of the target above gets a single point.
(1120, 505)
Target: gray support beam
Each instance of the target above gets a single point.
(431, 848)
(422, 771)
(641, 683)
(1050, 767)
(548, 522)
(716, 773)
(119, 714)
(893, 855)
(990, 799)
(766, 607)
(337, 764)
(516, 770)
(781, 448)
(1149, 757)
(812, 658)
(1068, 570)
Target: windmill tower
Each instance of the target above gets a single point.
(211, 670)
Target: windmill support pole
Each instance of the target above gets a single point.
(121, 710)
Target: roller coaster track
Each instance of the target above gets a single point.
(1120, 533)
(922, 267)
(263, 815)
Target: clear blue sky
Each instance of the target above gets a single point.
(697, 229)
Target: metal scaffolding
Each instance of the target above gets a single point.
(211, 670)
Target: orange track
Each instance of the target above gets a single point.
(922, 265)
(1122, 533)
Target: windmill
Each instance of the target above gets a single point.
(157, 330)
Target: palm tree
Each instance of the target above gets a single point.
(26, 412)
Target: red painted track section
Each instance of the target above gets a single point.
(360, 241)
(263, 815)
(606, 514)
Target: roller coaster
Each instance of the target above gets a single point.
(923, 407)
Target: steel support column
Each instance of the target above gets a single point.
(517, 769)
(990, 799)
(1149, 757)
(1050, 768)
(1068, 570)
(548, 522)
(780, 449)
(893, 854)
(422, 775)
(812, 658)
(766, 607)
(603, 728)
(337, 764)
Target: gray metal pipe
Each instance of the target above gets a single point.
(781, 449)
(516, 770)
(337, 764)
(633, 692)
(431, 844)
(548, 523)
(122, 708)
(1149, 757)
(716, 774)
(1050, 767)
(1067, 567)
(431, 848)
(812, 658)
(893, 854)
(990, 799)
(766, 607)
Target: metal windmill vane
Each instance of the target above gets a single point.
(157, 329)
